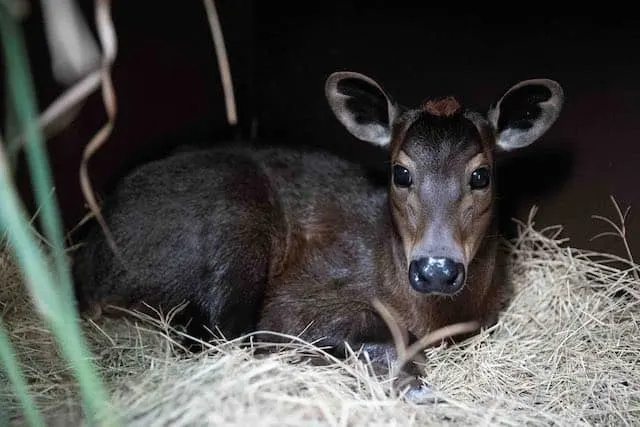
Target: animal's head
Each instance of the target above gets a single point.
(441, 156)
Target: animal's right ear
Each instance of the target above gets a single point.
(362, 106)
(525, 112)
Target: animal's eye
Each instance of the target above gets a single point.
(480, 178)
(401, 176)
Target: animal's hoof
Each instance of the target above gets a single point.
(420, 394)
(92, 311)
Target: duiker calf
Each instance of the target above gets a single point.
(302, 242)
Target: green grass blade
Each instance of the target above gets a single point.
(21, 92)
(14, 373)
(52, 293)
(50, 302)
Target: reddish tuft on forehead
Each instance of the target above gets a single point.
(447, 106)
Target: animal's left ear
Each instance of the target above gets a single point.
(525, 112)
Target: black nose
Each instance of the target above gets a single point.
(436, 275)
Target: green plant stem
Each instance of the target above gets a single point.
(14, 373)
(21, 92)
(63, 322)
(51, 293)
(50, 303)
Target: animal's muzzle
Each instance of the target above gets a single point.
(436, 275)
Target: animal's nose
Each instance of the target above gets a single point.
(436, 275)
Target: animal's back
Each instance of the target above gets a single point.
(210, 226)
(317, 186)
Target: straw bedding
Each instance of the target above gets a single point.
(565, 352)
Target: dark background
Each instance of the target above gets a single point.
(168, 88)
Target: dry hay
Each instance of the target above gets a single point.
(564, 353)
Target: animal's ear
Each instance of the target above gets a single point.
(362, 106)
(525, 112)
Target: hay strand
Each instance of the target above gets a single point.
(108, 41)
(223, 61)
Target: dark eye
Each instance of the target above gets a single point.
(480, 178)
(401, 176)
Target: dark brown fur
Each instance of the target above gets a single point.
(301, 243)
